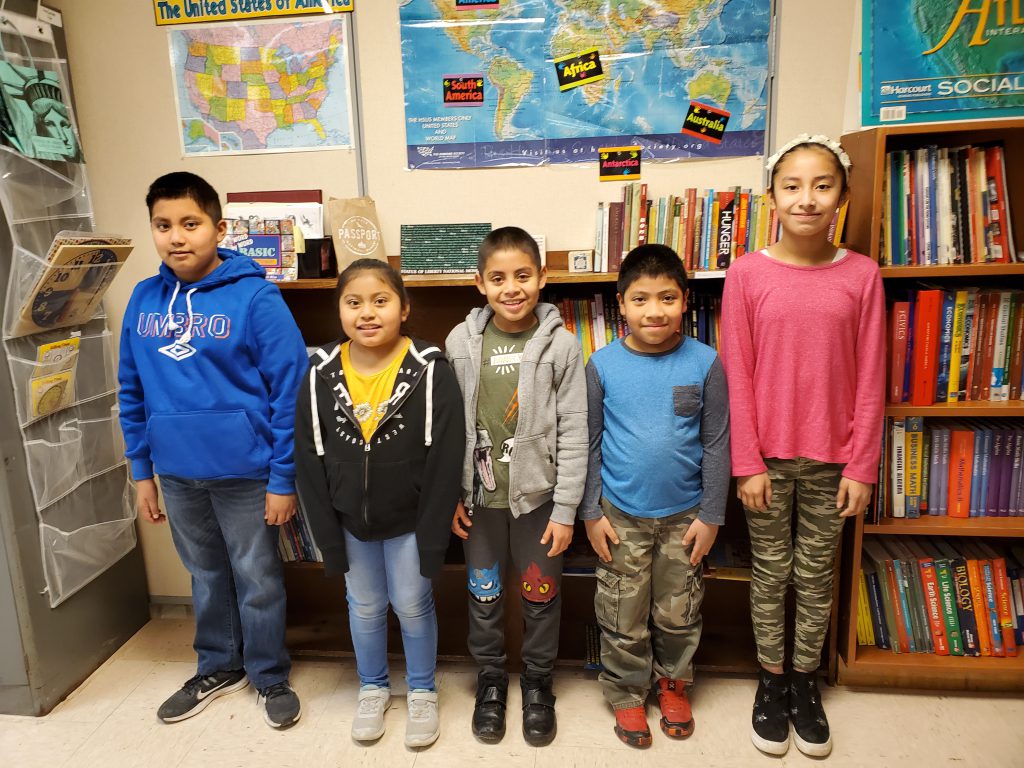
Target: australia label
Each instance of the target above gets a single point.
(705, 122)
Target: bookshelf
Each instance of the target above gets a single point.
(867, 665)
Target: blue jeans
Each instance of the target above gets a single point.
(389, 571)
(237, 582)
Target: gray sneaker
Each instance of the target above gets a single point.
(198, 692)
(423, 727)
(368, 724)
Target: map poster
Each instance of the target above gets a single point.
(655, 58)
(929, 60)
(262, 86)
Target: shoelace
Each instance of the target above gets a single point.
(370, 705)
(193, 684)
(278, 689)
(419, 709)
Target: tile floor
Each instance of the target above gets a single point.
(110, 722)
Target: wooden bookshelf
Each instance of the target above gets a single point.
(868, 665)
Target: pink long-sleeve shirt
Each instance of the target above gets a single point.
(804, 355)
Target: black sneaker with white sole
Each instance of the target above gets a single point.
(770, 719)
(280, 705)
(198, 692)
(810, 726)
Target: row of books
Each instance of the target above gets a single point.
(709, 229)
(953, 468)
(946, 206)
(597, 321)
(950, 346)
(296, 544)
(950, 598)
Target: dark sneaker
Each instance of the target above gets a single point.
(676, 716)
(539, 725)
(198, 692)
(770, 720)
(489, 711)
(280, 705)
(631, 726)
(810, 726)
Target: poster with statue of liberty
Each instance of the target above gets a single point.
(931, 60)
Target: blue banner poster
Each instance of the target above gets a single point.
(932, 60)
(562, 79)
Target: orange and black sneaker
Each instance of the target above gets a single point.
(676, 717)
(631, 726)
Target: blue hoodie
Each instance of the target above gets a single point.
(209, 373)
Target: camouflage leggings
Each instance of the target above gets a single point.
(648, 605)
(812, 486)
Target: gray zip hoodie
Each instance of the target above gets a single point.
(549, 456)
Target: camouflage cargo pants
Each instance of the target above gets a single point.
(809, 486)
(648, 605)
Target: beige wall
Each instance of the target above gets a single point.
(120, 66)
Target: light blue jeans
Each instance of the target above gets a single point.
(389, 571)
(237, 583)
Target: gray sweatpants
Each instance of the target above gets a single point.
(495, 534)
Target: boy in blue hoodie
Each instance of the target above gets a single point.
(211, 361)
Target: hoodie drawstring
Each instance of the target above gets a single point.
(428, 425)
(186, 337)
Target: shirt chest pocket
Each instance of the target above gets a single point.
(686, 400)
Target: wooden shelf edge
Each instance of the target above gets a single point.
(949, 526)
(953, 270)
(876, 667)
(965, 409)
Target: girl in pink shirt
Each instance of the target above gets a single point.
(803, 345)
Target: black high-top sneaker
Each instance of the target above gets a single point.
(770, 720)
(539, 725)
(810, 726)
(489, 712)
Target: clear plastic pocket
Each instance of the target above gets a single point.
(83, 449)
(41, 390)
(41, 296)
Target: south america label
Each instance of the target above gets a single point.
(619, 163)
(578, 69)
(463, 90)
(705, 122)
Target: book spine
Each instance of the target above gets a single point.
(970, 322)
(914, 427)
(980, 607)
(965, 608)
(935, 607)
(961, 462)
(899, 616)
(898, 350)
(992, 608)
(945, 347)
(926, 342)
(899, 450)
(949, 614)
(956, 346)
(876, 605)
(945, 447)
(1004, 602)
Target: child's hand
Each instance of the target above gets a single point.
(600, 532)
(755, 491)
(853, 495)
(461, 522)
(702, 535)
(560, 536)
(279, 508)
(148, 499)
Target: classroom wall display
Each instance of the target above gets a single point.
(527, 82)
(194, 11)
(931, 60)
(35, 118)
(263, 87)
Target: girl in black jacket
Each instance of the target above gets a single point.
(379, 440)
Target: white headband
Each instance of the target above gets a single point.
(831, 145)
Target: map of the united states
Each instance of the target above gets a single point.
(262, 86)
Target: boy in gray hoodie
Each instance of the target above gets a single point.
(525, 393)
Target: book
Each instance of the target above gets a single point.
(966, 618)
(924, 363)
(914, 465)
(935, 606)
(961, 451)
(899, 320)
(949, 613)
(71, 281)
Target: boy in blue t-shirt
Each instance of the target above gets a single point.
(656, 491)
(211, 361)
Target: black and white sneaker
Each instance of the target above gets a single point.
(810, 726)
(198, 692)
(280, 705)
(770, 719)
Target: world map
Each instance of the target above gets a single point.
(658, 56)
(262, 87)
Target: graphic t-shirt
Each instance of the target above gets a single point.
(370, 394)
(497, 414)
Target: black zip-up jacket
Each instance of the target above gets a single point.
(405, 478)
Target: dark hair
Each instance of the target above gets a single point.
(382, 270)
(651, 260)
(175, 186)
(507, 238)
(840, 171)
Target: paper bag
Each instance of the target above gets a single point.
(355, 230)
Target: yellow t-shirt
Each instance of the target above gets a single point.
(370, 394)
